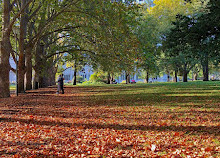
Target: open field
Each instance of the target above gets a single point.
(137, 120)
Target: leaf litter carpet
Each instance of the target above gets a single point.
(42, 123)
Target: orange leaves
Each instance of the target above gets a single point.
(176, 134)
(31, 117)
(208, 149)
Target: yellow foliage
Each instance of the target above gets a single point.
(165, 11)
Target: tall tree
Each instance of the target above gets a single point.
(5, 50)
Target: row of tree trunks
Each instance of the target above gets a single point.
(24, 65)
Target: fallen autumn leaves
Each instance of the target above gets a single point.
(81, 123)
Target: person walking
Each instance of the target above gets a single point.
(62, 84)
(59, 84)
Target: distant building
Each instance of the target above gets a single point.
(12, 75)
(85, 72)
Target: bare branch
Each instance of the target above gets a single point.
(13, 56)
(12, 69)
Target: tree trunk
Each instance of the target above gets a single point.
(21, 62)
(28, 69)
(175, 76)
(36, 79)
(185, 76)
(52, 75)
(5, 51)
(21, 70)
(185, 73)
(195, 76)
(74, 77)
(147, 77)
(127, 78)
(109, 78)
(43, 81)
(38, 64)
(53, 78)
(168, 76)
(205, 66)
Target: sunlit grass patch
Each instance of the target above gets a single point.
(160, 94)
(12, 87)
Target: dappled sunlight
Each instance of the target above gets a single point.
(192, 94)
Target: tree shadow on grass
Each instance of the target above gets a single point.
(205, 130)
(142, 99)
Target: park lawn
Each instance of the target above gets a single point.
(137, 120)
(12, 87)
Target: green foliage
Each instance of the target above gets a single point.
(148, 36)
(93, 83)
(98, 77)
(123, 82)
(193, 39)
(93, 77)
(165, 11)
(79, 79)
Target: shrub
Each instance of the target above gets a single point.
(79, 79)
(97, 78)
(123, 81)
(93, 77)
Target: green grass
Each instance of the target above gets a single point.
(184, 95)
(12, 87)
